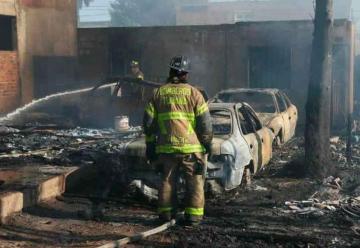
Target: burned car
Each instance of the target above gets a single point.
(272, 106)
(241, 143)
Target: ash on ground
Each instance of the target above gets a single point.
(279, 208)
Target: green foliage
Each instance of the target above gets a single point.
(143, 13)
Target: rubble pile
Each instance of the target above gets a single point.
(296, 148)
(6, 130)
(348, 206)
(312, 206)
(326, 200)
(63, 147)
(331, 197)
(338, 150)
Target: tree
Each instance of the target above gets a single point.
(143, 13)
(317, 130)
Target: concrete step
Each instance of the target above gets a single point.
(25, 186)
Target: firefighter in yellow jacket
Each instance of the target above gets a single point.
(178, 133)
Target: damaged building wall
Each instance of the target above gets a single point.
(43, 45)
(253, 54)
(206, 48)
(9, 75)
(47, 38)
(93, 56)
(9, 81)
(277, 54)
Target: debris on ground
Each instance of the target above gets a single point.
(334, 140)
(279, 209)
(7, 130)
(77, 146)
(352, 207)
(325, 200)
(332, 182)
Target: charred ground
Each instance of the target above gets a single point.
(275, 211)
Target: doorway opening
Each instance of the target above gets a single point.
(8, 41)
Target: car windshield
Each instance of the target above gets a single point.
(261, 102)
(221, 120)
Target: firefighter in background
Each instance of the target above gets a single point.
(131, 89)
(137, 91)
(135, 70)
(133, 95)
(178, 133)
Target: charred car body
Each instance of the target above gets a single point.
(240, 142)
(272, 106)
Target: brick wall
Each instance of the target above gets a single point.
(9, 81)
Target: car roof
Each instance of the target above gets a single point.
(259, 90)
(223, 105)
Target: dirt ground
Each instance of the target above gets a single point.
(254, 216)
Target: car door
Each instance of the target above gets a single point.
(265, 135)
(293, 113)
(285, 117)
(250, 135)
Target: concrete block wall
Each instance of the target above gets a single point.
(9, 81)
(220, 55)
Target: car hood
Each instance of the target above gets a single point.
(266, 118)
(137, 147)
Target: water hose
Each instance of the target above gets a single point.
(139, 236)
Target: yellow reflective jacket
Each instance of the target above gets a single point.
(177, 119)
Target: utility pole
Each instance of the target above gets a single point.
(317, 129)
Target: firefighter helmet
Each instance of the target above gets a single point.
(180, 63)
(134, 63)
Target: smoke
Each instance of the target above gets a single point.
(143, 13)
(135, 13)
(69, 108)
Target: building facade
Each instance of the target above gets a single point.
(254, 54)
(43, 52)
(38, 49)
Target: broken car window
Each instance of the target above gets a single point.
(221, 120)
(281, 102)
(286, 98)
(261, 102)
(251, 119)
(246, 126)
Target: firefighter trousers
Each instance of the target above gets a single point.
(193, 167)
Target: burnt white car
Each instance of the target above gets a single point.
(272, 106)
(241, 143)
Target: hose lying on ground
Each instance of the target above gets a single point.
(140, 236)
